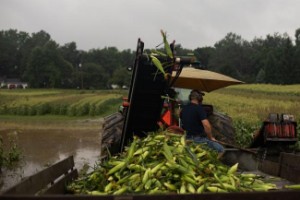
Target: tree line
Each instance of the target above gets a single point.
(37, 59)
(43, 63)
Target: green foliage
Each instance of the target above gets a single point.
(39, 60)
(2, 158)
(250, 104)
(121, 77)
(10, 156)
(60, 102)
(244, 132)
(92, 109)
(46, 66)
(93, 76)
(14, 153)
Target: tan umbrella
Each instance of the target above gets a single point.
(204, 80)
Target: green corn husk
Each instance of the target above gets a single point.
(170, 166)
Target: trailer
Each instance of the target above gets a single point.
(140, 114)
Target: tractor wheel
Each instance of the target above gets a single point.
(222, 127)
(111, 134)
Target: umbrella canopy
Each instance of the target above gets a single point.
(203, 80)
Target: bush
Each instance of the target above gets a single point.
(72, 111)
(83, 109)
(13, 155)
(244, 132)
(32, 110)
(92, 110)
(23, 110)
(43, 109)
(3, 109)
(63, 109)
(107, 106)
(2, 158)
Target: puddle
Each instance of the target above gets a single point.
(41, 148)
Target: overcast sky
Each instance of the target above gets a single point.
(192, 23)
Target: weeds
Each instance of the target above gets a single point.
(244, 132)
(11, 156)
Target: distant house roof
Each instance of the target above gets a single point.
(13, 80)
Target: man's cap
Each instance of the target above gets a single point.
(198, 92)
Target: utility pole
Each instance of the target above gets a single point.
(80, 69)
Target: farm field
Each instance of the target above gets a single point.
(68, 122)
(40, 127)
(33, 102)
(248, 105)
(253, 102)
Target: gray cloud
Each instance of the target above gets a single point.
(193, 23)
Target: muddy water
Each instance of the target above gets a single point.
(43, 147)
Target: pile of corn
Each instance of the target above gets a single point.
(163, 163)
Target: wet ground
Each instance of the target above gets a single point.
(42, 147)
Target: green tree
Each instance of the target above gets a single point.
(232, 57)
(47, 68)
(296, 58)
(271, 68)
(126, 58)
(11, 43)
(71, 54)
(92, 75)
(278, 59)
(108, 58)
(286, 69)
(297, 37)
(204, 55)
(121, 77)
(260, 78)
(38, 39)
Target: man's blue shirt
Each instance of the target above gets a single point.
(191, 116)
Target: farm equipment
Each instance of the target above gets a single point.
(145, 108)
(151, 102)
(151, 105)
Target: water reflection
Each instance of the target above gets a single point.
(41, 148)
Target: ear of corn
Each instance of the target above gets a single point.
(170, 186)
(163, 163)
(233, 169)
(158, 64)
(191, 188)
(166, 44)
(116, 168)
(167, 152)
(131, 150)
(182, 189)
(294, 187)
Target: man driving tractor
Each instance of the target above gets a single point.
(196, 124)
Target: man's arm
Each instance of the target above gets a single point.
(207, 129)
